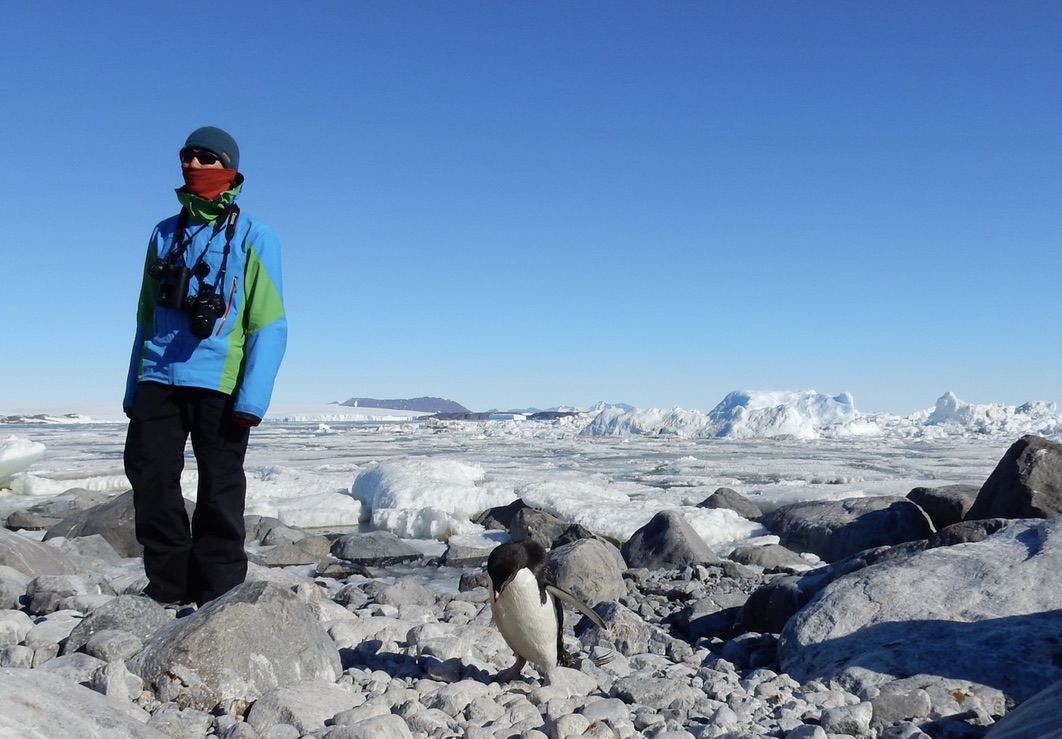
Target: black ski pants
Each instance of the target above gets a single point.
(198, 560)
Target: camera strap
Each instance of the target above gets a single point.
(232, 215)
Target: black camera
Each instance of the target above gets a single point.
(173, 283)
(204, 310)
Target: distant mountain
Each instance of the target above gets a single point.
(426, 405)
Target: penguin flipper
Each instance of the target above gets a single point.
(571, 600)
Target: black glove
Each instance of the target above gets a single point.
(245, 419)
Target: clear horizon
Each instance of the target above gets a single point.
(527, 205)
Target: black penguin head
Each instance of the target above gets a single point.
(505, 560)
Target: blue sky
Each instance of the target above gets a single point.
(540, 203)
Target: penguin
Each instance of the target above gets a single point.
(526, 604)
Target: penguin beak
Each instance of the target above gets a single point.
(496, 592)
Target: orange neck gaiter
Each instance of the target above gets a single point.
(208, 183)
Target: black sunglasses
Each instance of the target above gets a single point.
(206, 158)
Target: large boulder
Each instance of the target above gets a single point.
(667, 542)
(977, 614)
(835, 529)
(252, 639)
(1027, 482)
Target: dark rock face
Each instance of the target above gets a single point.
(541, 527)
(666, 542)
(500, 518)
(1027, 483)
(113, 520)
(837, 529)
(732, 500)
(374, 548)
(944, 505)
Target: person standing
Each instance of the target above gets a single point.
(211, 333)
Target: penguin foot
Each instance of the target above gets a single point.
(512, 673)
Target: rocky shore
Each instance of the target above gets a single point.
(935, 614)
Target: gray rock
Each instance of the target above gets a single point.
(374, 548)
(115, 681)
(539, 526)
(627, 633)
(16, 655)
(252, 639)
(177, 722)
(734, 501)
(388, 726)
(457, 555)
(837, 529)
(853, 720)
(238, 730)
(14, 625)
(282, 534)
(404, 591)
(667, 542)
(306, 705)
(309, 550)
(32, 557)
(655, 692)
(53, 628)
(710, 616)
(53, 510)
(768, 556)
(945, 505)
(113, 644)
(1027, 482)
(963, 612)
(13, 586)
(77, 668)
(899, 702)
(48, 592)
(56, 707)
(257, 527)
(589, 569)
(113, 520)
(454, 698)
(133, 614)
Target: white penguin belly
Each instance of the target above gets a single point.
(528, 625)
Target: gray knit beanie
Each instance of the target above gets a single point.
(218, 142)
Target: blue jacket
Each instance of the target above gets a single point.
(243, 352)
